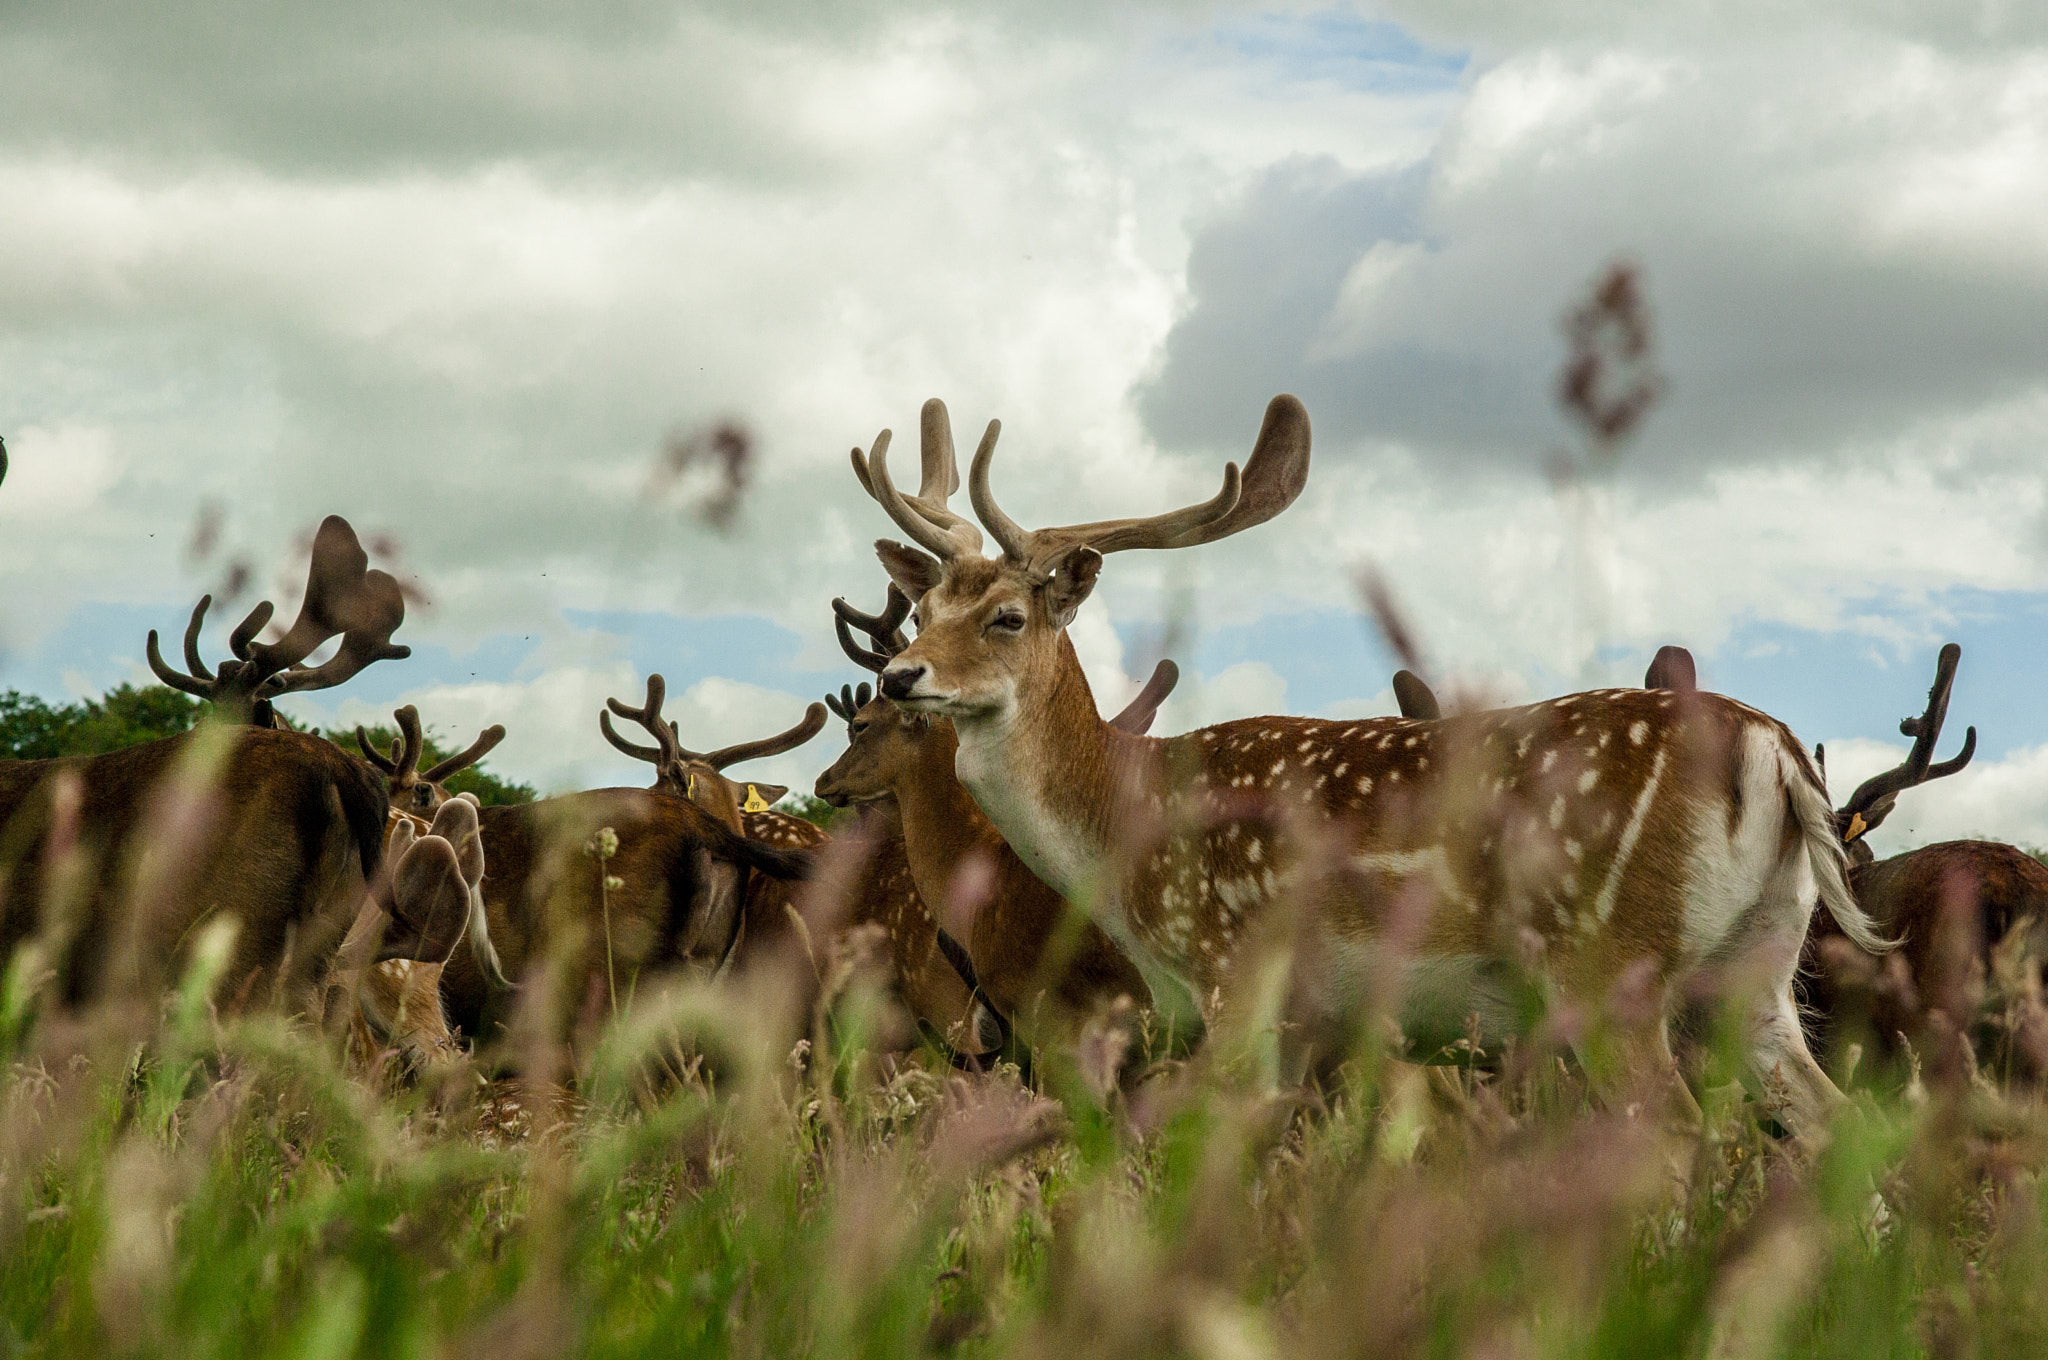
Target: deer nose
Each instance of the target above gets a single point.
(899, 681)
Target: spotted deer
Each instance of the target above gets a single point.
(1952, 905)
(883, 890)
(1616, 841)
(279, 830)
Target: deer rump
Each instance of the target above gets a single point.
(287, 837)
(543, 892)
(1950, 905)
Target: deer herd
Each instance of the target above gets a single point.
(1017, 862)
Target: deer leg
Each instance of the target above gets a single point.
(1792, 1085)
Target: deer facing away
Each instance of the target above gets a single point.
(275, 829)
(1613, 840)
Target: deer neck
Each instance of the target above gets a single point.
(941, 823)
(1045, 774)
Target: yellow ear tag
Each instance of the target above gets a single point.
(1856, 828)
(689, 786)
(755, 802)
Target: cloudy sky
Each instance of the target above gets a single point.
(457, 271)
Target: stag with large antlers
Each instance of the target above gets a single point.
(345, 598)
(1030, 967)
(1639, 844)
(882, 891)
(279, 831)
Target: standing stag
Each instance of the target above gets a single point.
(110, 863)
(1021, 952)
(1616, 841)
(882, 890)
(1950, 905)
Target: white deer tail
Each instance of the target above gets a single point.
(1829, 862)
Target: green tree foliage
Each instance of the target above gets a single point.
(814, 810)
(490, 790)
(31, 728)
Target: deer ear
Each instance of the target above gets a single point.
(754, 796)
(1072, 578)
(914, 572)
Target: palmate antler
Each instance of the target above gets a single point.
(345, 597)
(1269, 483)
(1875, 797)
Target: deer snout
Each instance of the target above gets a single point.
(898, 681)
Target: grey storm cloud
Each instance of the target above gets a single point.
(1833, 228)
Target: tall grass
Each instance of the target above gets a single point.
(717, 1186)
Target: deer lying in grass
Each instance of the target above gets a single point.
(1617, 843)
(399, 1000)
(1951, 905)
(882, 891)
(110, 863)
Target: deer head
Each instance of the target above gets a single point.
(990, 630)
(889, 747)
(1875, 797)
(697, 776)
(411, 791)
(345, 598)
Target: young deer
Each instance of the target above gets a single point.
(284, 837)
(1620, 843)
(883, 890)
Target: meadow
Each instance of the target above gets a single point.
(727, 1182)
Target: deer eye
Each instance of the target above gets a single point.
(1009, 621)
(859, 726)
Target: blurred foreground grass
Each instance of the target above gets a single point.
(181, 1186)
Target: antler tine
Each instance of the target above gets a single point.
(935, 449)
(412, 743)
(388, 764)
(186, 684)
(842, 704)
(1138, 714)
(812, 724)
(1270, 482)
(486, 742)
(245, 632)
(195, 663)
(860, 656)
(1873, 800)
(875, 477)
(1416, 698)
(668, 748)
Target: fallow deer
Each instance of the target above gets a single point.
(1620, 844)
(547, 896)
(1027, 966)
(1950, 904)
(278, 830)
(882, 892)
